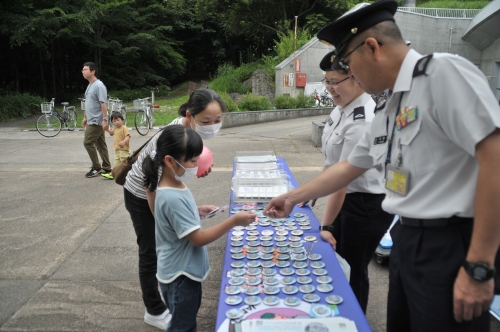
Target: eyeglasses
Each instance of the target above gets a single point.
(345, 64)
(85, 69)
(334, 84)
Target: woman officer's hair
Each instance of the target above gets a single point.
(179, 142)
(199, 100)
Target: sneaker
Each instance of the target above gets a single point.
(159, 321)
(105, 171)
(107, 175)
(93, 172)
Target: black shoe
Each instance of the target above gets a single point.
(93, 172)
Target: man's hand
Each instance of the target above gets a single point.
(470, 297)
(279, 207)
(313, 202)
(84, 122)
(105, 125)
(328, 237)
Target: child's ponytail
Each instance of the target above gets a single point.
(150, 169)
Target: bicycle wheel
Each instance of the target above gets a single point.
(48, 125)
(142, 123)
(123, 111)
(151, 118)
(70, 117)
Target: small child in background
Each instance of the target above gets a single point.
(122, 140)
(180, 241)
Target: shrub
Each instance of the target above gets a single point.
(228, 101)
(230, 79)
(19, 106)
(303, 101)
(284, 102)
(254, 103)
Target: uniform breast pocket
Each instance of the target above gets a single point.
(417, 152)
(377, 152)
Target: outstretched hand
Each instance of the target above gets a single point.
(204, 210)
(244, 218)
(279, 207)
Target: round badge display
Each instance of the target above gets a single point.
(300, 219)
(237, 265)
(252, 281)
(324, 280)
(283, 250)
(237, 272)
(238, 256)
(300, 257)
(237, 243)
(291, 228)
(266, 256)
(267, 232)
(251, 238)
(307, 289)
(311, 298)
(271, 300)
(282, 257)
(254, 233)
(279, 238)
(282, 263)
(298, 215)
(251, 228)
(305, 228)
(233, 290)
(287, 271)
(264, 223)
(322, 311)
(268, 272)
(253, 264)
(253, 243)
(298, 250)
(271, 290)
(266, 243)
(252, 290)
(252, 300)
(236, 250)
(268, 264)
(317, 265)
(266, 238)
(252, 250)
(238, 228)
(294, 238)
(299, 265)
(282, 244)
(236, 238)
(320, 272)
(233, 300)
(304, 280)
(238, 233)
(334, 299)
(289, 290)
(292, 301)
(253, 271)
(234, 313)
(271, 281)
(315, 257)
(287, 281)
(282, 233)
(297, 232)
(267, 250)
(310, 238)
(253, 256)
(236, 281)
(324, 288)
(295, 244)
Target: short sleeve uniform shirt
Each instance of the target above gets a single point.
(456, 110)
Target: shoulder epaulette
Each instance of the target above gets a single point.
(421, 65)
(359, 113)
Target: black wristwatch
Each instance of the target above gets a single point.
(479, 271)
(326, 228)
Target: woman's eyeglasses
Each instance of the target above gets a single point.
(334, 84)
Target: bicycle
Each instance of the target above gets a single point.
(51, 122)
(116, 105)
(144, 118)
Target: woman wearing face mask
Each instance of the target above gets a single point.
(355, 211)
(203, 113)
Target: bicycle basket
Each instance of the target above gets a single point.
(141, 104)
(46, 107)
(82, 106)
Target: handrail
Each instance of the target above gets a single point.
(442, 12)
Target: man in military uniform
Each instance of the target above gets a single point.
(436, 146)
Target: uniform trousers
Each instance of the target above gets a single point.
(424, 264)
(144, 226)
(358, 229)
(95, 141)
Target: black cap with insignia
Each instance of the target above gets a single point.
(339, 32)
(326, 62)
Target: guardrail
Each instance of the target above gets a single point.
(441, 12)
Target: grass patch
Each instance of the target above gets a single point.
(453, 4)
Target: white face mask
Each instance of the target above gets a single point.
(189, 173)
(209, 131)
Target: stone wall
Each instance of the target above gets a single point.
(261, 85)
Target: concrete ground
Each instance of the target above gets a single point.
(68, 257)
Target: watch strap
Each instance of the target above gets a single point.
(479, 271)
(326, 228)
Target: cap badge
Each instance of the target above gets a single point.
(354, 30)
(332, 58)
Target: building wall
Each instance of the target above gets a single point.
(309, 64)
(490, 65)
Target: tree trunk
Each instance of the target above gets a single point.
(42, 82)
(52, 56)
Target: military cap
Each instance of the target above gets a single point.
(326, 62)
(341, 31)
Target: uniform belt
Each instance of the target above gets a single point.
(438, 222)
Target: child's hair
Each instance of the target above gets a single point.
(199, 100)
(116, 115)
(179, 142)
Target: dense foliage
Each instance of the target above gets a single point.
(19, 105)
(288, 102)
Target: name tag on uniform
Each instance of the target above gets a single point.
(330, 121)
(380, 140)
(407, 116)
(397, 179)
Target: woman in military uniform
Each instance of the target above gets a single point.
(354, 221)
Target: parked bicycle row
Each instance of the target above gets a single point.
(50, 123)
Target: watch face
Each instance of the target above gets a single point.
(480, 273)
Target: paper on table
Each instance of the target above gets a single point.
(255, 159)
(299, 325)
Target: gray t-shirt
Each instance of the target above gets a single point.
(95, 94)
(176, 216)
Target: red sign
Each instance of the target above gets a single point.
(297, 64)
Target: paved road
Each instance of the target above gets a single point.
(68, 257)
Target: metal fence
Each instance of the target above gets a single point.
(441, 12)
